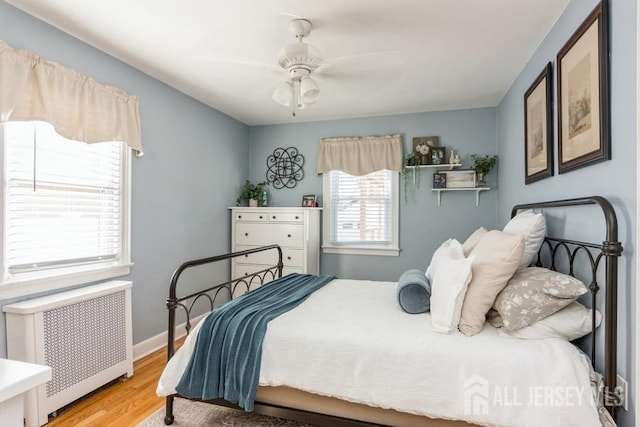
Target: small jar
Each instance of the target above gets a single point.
(265, 199)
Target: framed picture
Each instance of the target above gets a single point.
(583, 94)
(422, 148)
(438, 156)
(460, 178)
(538, 128)
(309, 201)
(439, 180)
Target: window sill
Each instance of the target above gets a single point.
(23, 287)
(360, 250)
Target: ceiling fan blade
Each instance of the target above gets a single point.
(362, 64)
(290, 15)
(228, 62)
(365, 61)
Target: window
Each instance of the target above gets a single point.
(361, 213)
(65, 210)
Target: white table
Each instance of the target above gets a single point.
(16, 378)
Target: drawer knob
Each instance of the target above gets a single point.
(239, 216)
(260, 216)
(289, 258)
(246, 234)
(297, 217)
(246, 256)
(288, 235)
(273, 217)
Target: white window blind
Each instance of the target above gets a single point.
(361, 213)
(361, 208)
(63, 200)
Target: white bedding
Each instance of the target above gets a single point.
(352, 341)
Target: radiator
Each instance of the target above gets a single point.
(84, 335)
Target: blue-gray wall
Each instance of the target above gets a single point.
(183, 184)
(615, 179)
(423, 225)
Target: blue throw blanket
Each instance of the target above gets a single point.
(226, 359)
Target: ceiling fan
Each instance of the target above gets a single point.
(299, 60)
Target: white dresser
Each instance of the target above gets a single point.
(296, 230)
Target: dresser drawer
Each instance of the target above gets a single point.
(286, 217)
(290, 257)
(285, 235)
(252, 216)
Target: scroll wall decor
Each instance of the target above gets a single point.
(284, 167)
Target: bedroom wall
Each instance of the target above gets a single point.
(178, 211)
(423, 225)
(614, 179)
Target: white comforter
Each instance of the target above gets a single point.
(352, 341)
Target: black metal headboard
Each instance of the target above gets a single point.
(610, 250)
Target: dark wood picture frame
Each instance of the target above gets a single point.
(538, 128)
(438, 156)
(439, 180)
(309, 201)
(584, 134)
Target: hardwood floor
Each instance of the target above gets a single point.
(121, 403)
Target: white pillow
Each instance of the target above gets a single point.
(449, 287)
(532, 227)
(435, 259)
(473, 240)
(570, 323)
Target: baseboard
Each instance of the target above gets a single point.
(159, 341)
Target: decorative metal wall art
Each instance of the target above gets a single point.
(284, 167)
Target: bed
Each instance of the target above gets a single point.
(368, 363)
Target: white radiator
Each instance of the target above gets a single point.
(84, 335)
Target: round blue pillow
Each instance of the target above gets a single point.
(414, 292)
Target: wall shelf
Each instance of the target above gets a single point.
(449, 166)
(476, 189)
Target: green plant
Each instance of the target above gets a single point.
(251, 191)
(484, 164)
(410, 160)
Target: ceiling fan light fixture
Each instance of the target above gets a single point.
(296, 54)
(309, 91)
(284, 94)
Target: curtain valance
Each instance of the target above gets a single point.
(360, 155)
(78, 107)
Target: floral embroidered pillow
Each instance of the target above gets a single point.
(534, 293)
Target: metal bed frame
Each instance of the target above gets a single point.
(609, 251)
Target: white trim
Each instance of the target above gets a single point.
(637, 221)
(51, 283)
(352, 250)
(159, 341)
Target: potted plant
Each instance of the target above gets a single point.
(482, 166)
(251, 192)
(411, 159)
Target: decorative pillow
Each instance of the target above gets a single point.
(532, 226)
(449, 287)
(414, 292)
(534, 293)
(473, 240)
(570, 323)
(433, 266)
(497, 256)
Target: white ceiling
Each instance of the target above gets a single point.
(386, 56)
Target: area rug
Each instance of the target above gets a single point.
(198, 414)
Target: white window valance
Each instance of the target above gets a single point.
(78, 107)
(360, 155)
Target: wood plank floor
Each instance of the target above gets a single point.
(121, 403)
